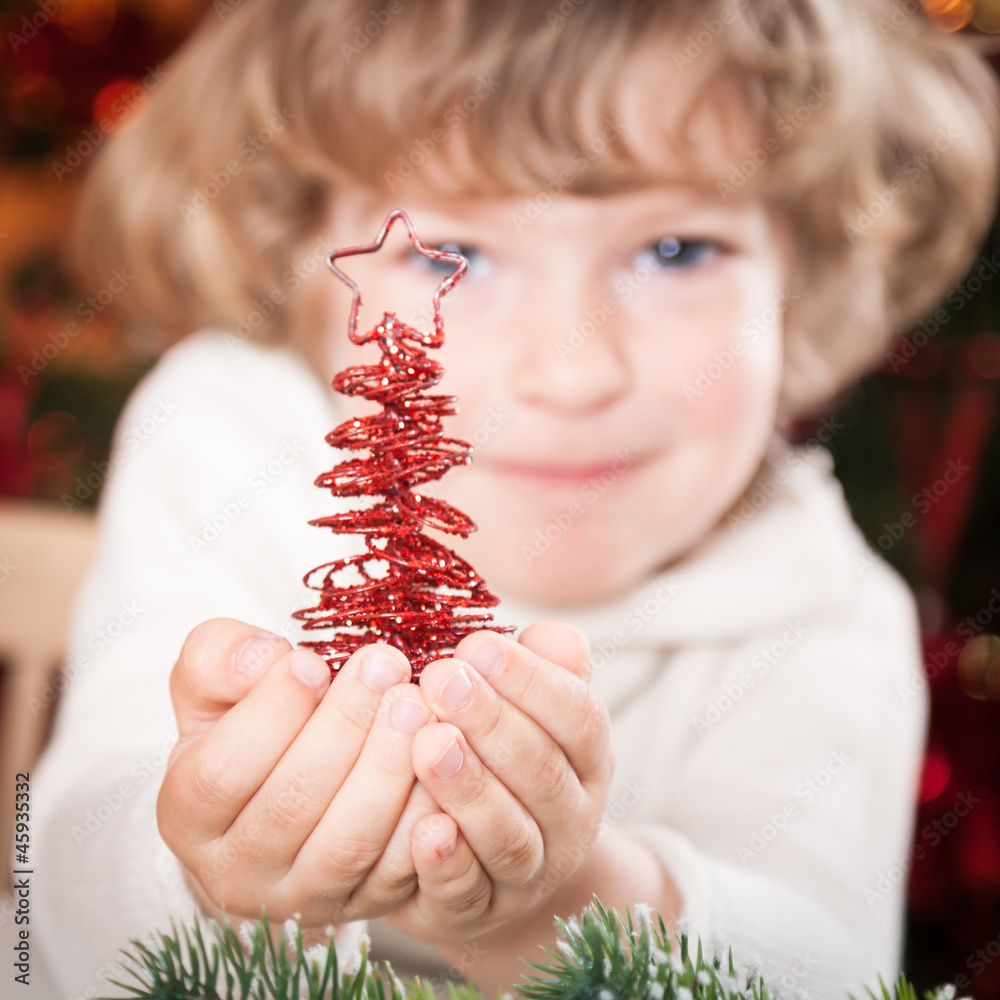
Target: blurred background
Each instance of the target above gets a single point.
(917, 444)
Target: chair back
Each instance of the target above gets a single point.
(44, 553)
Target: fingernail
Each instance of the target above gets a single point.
(486, 657)
(449, 762)
(254, 652)
(409, 715)
(310, 669)
(457, 692)
(445, 851)
(380, 672)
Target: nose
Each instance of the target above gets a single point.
(572, 359)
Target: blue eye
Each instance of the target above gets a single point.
(671, 252)
(478, 261)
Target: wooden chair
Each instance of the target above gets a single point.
(44, 553)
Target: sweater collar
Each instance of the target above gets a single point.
(786, 548)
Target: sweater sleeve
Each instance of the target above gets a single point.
(201, 517)
(790, 829)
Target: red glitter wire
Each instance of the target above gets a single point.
(411, 604)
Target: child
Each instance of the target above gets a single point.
(686, 224)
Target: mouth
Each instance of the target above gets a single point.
(560, 475)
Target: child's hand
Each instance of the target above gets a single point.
(284, 792)
(524, 767)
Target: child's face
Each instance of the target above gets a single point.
(617, 362)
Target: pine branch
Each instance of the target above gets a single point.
(598, 956)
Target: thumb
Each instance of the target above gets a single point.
(559, 643)
(220, 662)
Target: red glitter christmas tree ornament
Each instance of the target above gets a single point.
(406, 588)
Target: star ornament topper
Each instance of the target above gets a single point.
(432, 253)
(405, 589)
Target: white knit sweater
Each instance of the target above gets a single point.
(768, 704)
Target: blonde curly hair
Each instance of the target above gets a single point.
(877, 134)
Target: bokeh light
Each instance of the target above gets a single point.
(56, 440)
(979, 668)
(935, 775)
(87, 22)
(986, 16)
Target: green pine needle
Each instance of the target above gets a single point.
(598, 956)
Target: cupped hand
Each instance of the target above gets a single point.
(520, 765)
(287, 791)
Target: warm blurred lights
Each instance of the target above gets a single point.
(87, 22)
(949, 15)
(105, 98)
(982, 354)
(987, 16)
(979, 668)
(29, 64)
(171, 15)
(923, 363)
(115, 102)
(935, 775)
(56, 440)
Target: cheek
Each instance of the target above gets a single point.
(727, 369)
(474, 371)
(708, 377)
(745, 392)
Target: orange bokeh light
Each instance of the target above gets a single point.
(87, 22)
(949, 15)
